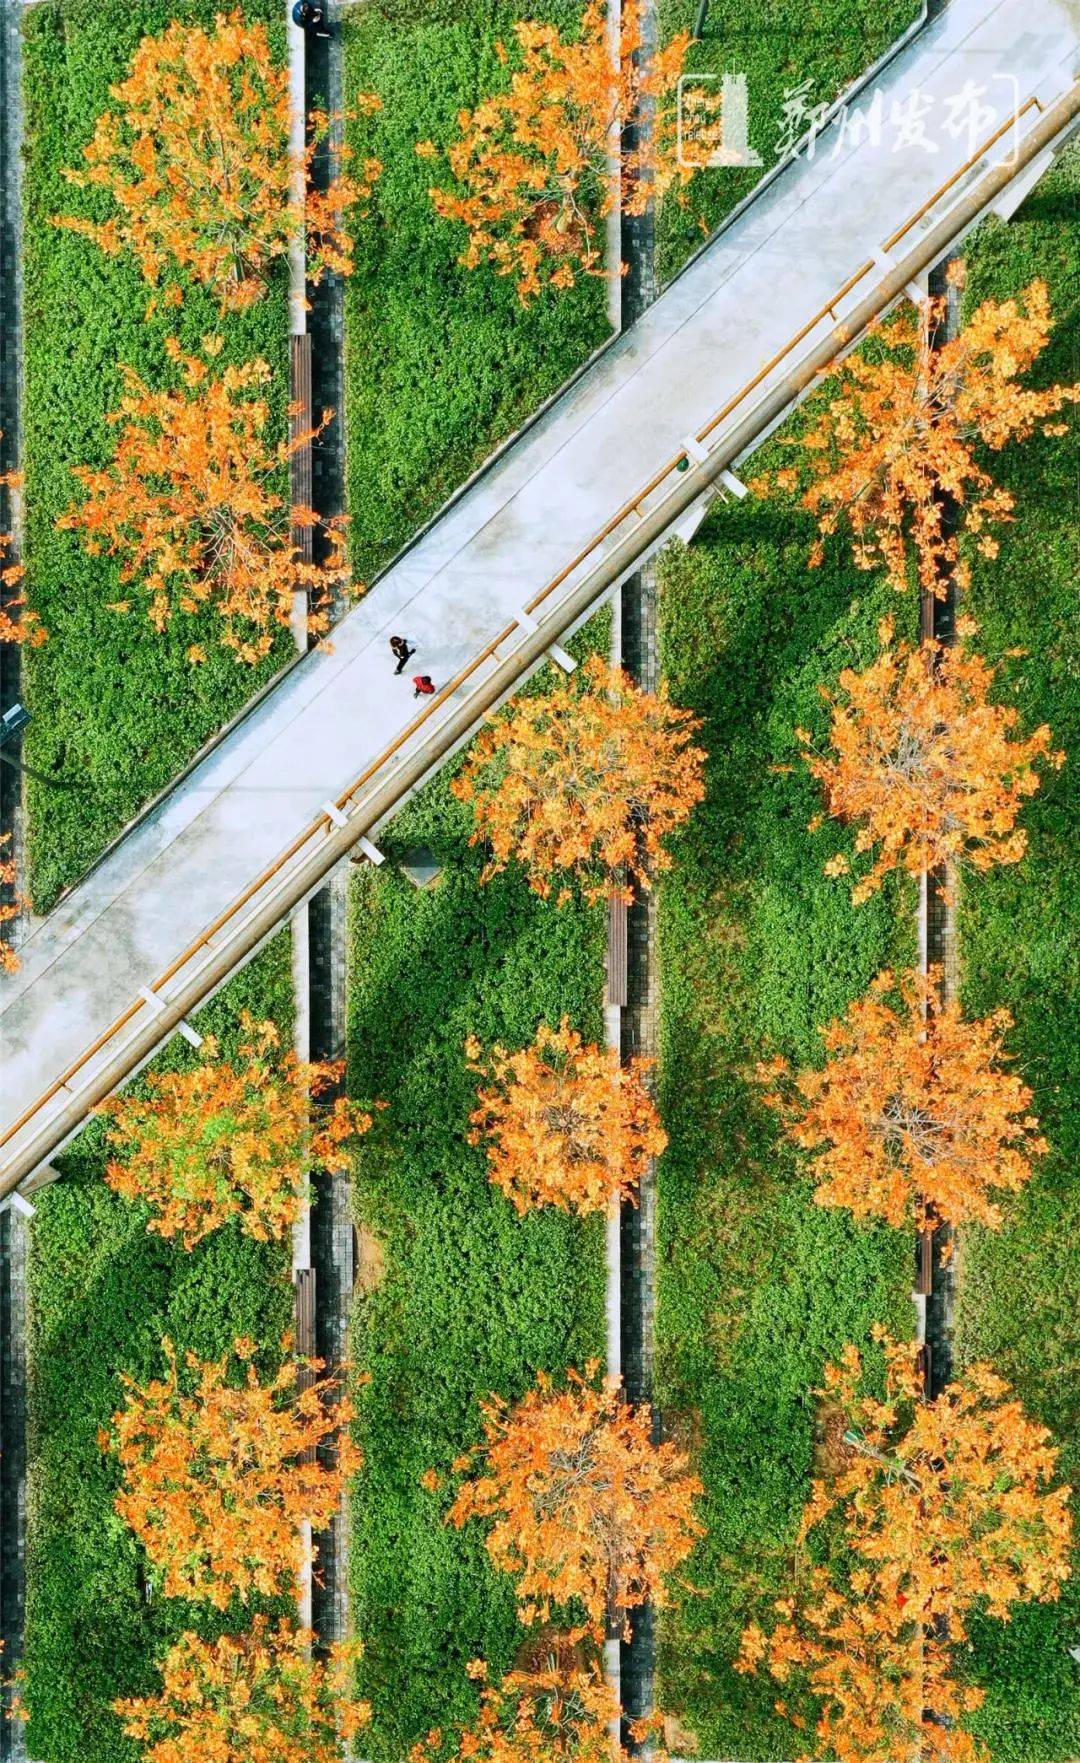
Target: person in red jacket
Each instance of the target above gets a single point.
(422, 686)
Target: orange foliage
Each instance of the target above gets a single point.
(928, 766)
(945, 1506)
(589, 778)
(224, 1140)
(257, 1697)
(898, 434)
(220, 1474)
(28, 628)
(196, 158)
(532, 168)
(558, 1712)
(912, 1110)
(584, 1506)
(565, 1124)
(9, 908)
(190, 504)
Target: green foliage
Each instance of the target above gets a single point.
(116, 707)
(1020, 941)
(102, 1293)
(442, 362)
(778, 45)
(472, 1298)
(758, 1287)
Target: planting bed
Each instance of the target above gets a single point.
(117, 707)
(758, 1288)
(459, 1295)
(102, 1293)
(1019, 1302)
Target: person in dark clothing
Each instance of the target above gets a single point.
(401, 651)
(422, 686)
(311, 17)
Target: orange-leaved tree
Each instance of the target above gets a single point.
(255, 1697)
(230, 1138)
(560, 1710)
(538, 165)
(588, 779)
(925, 763)
(16, 626)
(565, 1124)
(11, 907)
(220, 1470)
(912, 1114)
(934, 1509)
(902, 433)
(196, 158)
(584, 1506)
(195, 503)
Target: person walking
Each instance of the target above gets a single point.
(310, 16)
(401, 651)
(422, 686)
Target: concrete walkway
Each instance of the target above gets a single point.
(524, 520)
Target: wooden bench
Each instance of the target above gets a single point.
(615, 959)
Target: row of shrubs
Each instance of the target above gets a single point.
(103, 1292)
(117, 708)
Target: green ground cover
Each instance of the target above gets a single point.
(758, 1288)
(779, 45)
(102, 1293)
(1019, 1295)
(472, 1298)
(116, 706)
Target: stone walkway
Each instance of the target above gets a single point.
(515, 528)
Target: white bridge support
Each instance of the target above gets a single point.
(585, 494)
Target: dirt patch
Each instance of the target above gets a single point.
(369, 1261)
(679, 1740)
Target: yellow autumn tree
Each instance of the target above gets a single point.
(904, 427)
(922, 760)
(194, 502)
(220, 1469)
(230, 1139)
(583, 1506)
(564, 1123)
(256, 1697)
(586, 780)
(11, 905)
(16, 626)
(934, 1509)
(560, 1710)
(534, 164)
(195, 156)
(912, 1115)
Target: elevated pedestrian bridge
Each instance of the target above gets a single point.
(968, 116)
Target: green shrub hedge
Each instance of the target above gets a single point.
(473, 1298)
(116, 707)
(1019, 1299)
(102, 1293)
(758, 1288)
